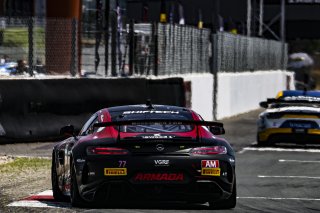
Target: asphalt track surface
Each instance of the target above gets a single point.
(277, 179)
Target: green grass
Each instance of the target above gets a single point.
(20, 164)
(18, 37)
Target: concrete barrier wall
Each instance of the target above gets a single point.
(36, 109)
(201, 99)
(241, 92)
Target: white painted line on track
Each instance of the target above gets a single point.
(38, 204)
(243, 150)
(298, 161)
(46, 193)
(296, 177)
(281, 198)
(274, 149)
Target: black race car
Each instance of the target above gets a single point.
(145, 152)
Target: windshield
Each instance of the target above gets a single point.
(153, 128)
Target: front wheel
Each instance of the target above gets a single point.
(229, 203)
(261, 143)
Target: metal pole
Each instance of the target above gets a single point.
(216, 16)
(98, 33)
(106, 38)
(282, 31)
(30, 42)
(282, 25)
(156, 54)
(253, 19)
(131, 47)
(261, 18)
(248, 17)
(114, 27)
(73, 47)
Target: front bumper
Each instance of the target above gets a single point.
(289, 135)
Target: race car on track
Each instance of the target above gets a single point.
(292, 117)
(145, 152)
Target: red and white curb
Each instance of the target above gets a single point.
(42, 200)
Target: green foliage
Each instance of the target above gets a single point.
(20, 164)
(18, 37)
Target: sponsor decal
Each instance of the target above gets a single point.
(157, 136)
(159, 177)
(160, 147)
(302, 98)
(210, 168)
(161, 162)
(91, 173)
(115, 171)
(80, 160)
(149, 112)
(210, 171)
(122, 163)
(210, 164)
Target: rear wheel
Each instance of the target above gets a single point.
(229, 203)
(76, 200)
(57, 194)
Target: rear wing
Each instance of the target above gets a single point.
(214, 127)
(159, 121)
(291, 100)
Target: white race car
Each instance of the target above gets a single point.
(292, 117)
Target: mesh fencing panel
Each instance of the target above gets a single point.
(51, 46)
(183, 49)
(34, 46)
(236, 53)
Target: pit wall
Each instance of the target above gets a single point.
(241, 92)
(199, 94)
(237, 93)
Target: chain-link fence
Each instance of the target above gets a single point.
(148, 49)
(183, 49)
(34, 46)
(236, 53)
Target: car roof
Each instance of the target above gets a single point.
(142, 107)
(295, 93)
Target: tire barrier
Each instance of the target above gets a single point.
(35, 110)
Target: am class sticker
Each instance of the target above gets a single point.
(210, 168)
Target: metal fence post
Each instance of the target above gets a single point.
(131, 47)
(73, 47)
(30, 44)
(214, 70)
(106, 39)
(114, 27)
(156, 54)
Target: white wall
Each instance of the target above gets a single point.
(237, 92)
(201, 94)
(241, 92)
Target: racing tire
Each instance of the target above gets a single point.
(260, 143)
(57, 194)
(229, 203)
(75, 198)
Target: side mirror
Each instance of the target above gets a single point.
(67, 130)
(217, 130)
(264, 104)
